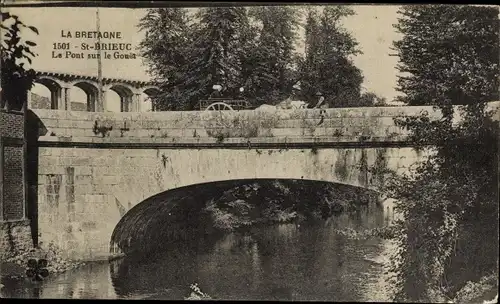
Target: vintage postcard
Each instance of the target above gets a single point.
(249, 151)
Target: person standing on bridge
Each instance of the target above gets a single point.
(295, 91)
(241, 93)
(321, 101)
(322, 106)
(216, 93)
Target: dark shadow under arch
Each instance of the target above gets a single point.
(151, 91)
(173, 215)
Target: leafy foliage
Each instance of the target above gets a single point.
(370, 99)
(16, 78)
(253, 48)
(449, 54)
(449, 201)
(271, 202)
(273, 54)
(217, 51)
(166, 49)
(327, 67)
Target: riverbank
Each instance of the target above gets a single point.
(14, 265)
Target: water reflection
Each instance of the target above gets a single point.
(283, 262)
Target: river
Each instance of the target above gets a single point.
(282, 262)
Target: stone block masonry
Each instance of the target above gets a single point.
(376, 122)
(94, 167)
(84, 192)
(338, 122)
(11, 124)
(12, 166)
(13, 183)
(15, 229)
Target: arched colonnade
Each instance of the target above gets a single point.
(60, 86)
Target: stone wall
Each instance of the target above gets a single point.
(84, 192)
(94, 167)
(13, 183)
(11, 158)
(375, 122)
(15, 230)
(11, 124)
(339, 123)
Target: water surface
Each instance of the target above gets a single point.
(282, 262)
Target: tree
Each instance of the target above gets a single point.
(310, 65)
(273, 54)
(166, 50)
(370, 99)
(327, 67)
(217, 52)
(16, 79)
(248, 55)
(449, 202)
(448, 53)
(187, 56)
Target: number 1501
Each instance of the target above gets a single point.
(61, 46)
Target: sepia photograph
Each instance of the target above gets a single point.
(167, 150)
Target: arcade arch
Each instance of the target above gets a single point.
(113, 102)
(146, 97)
(39, 97)
(81, 93)
(126, 96)
(92, 95)
(54, 93)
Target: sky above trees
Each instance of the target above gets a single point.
(371, 26)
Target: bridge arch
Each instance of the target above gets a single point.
(161, 216)
(121, 180)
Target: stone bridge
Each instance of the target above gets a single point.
(88, 169)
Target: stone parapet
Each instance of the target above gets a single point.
(376, 122)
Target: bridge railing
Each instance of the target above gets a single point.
(376, 122)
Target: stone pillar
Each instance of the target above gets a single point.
(91, 102)
(136, 102)
(28, 100)
(55, 99)
(127, 103)
(104, 101)
(123, 103)
(66, 99)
